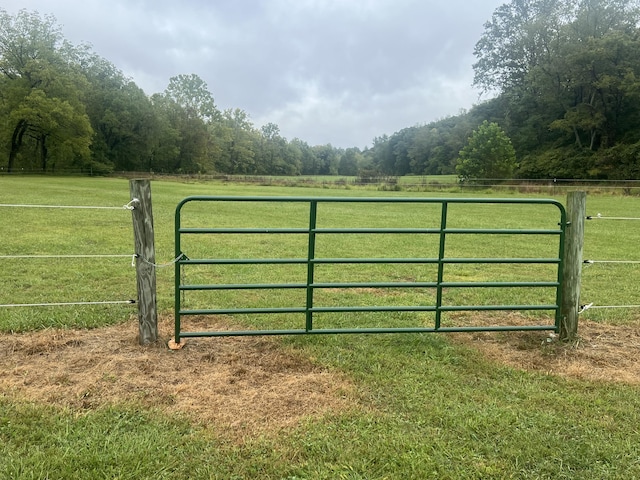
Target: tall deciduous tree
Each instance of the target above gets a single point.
(193, 95)
(42, 105)
(127, 129)
(237, 139)
(189, 106)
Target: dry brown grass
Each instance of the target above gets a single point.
(237, 385)
(601, 352)
(244, 385)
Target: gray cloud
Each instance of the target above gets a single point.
(326, 71)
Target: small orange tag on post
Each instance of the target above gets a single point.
(176, 346)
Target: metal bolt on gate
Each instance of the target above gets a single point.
(312, 232)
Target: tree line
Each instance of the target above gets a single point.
(563, 76)
(64, 107)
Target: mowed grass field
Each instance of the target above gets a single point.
(428, 407)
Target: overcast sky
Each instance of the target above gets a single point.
(326, 71)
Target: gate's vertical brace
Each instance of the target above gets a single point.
(572, 264)
(311, 253)
(441, 255)
(142, 216)
(177, 273)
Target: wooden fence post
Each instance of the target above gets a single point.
(572, 266)
(142, 215)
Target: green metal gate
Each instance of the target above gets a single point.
(309, 258)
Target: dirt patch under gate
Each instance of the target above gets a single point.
(243, 385)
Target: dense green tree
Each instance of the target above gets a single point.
(435, 147)
(381, 154)
(188, 105)
(309, 161)
(275, 156)
(193, 95)
(488, 154)
(126, 127)
(350, 162)
(400, 143)
(567, 77)
(292, 157)
(41, 106)
(237, 142)
(520, 36)
(328, 159)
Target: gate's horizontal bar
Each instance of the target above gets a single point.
(242, 230)
(498, 328)
(375, 285)
(479, 308)
(435, 260)
(242, 261)
(431, 308)
(373, 308)
(501, 260)
(502, 231)
(275, 199)
(372, 260)
(244, 286)
(243, 333)
(492, 231)
(376, 230)
(240, 311)
(498, 284)
(264, 261)
(324, 331)
(370, 308)
(280, 286)
(306, 230)
(231, 311)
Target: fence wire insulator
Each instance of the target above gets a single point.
(585, 307)
(132, 204)
(182, 256)
(603, 307)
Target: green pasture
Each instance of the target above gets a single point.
(430, 408)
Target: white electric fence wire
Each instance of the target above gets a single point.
(133, 258)
(591, 305)
(64, 256)
(128, 206)
(622, 262)
(64, 304)
(600, 217)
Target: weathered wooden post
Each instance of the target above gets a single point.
(572, 265)
(142, 215)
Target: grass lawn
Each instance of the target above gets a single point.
(425, 406)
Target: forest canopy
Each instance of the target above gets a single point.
(563, 79)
